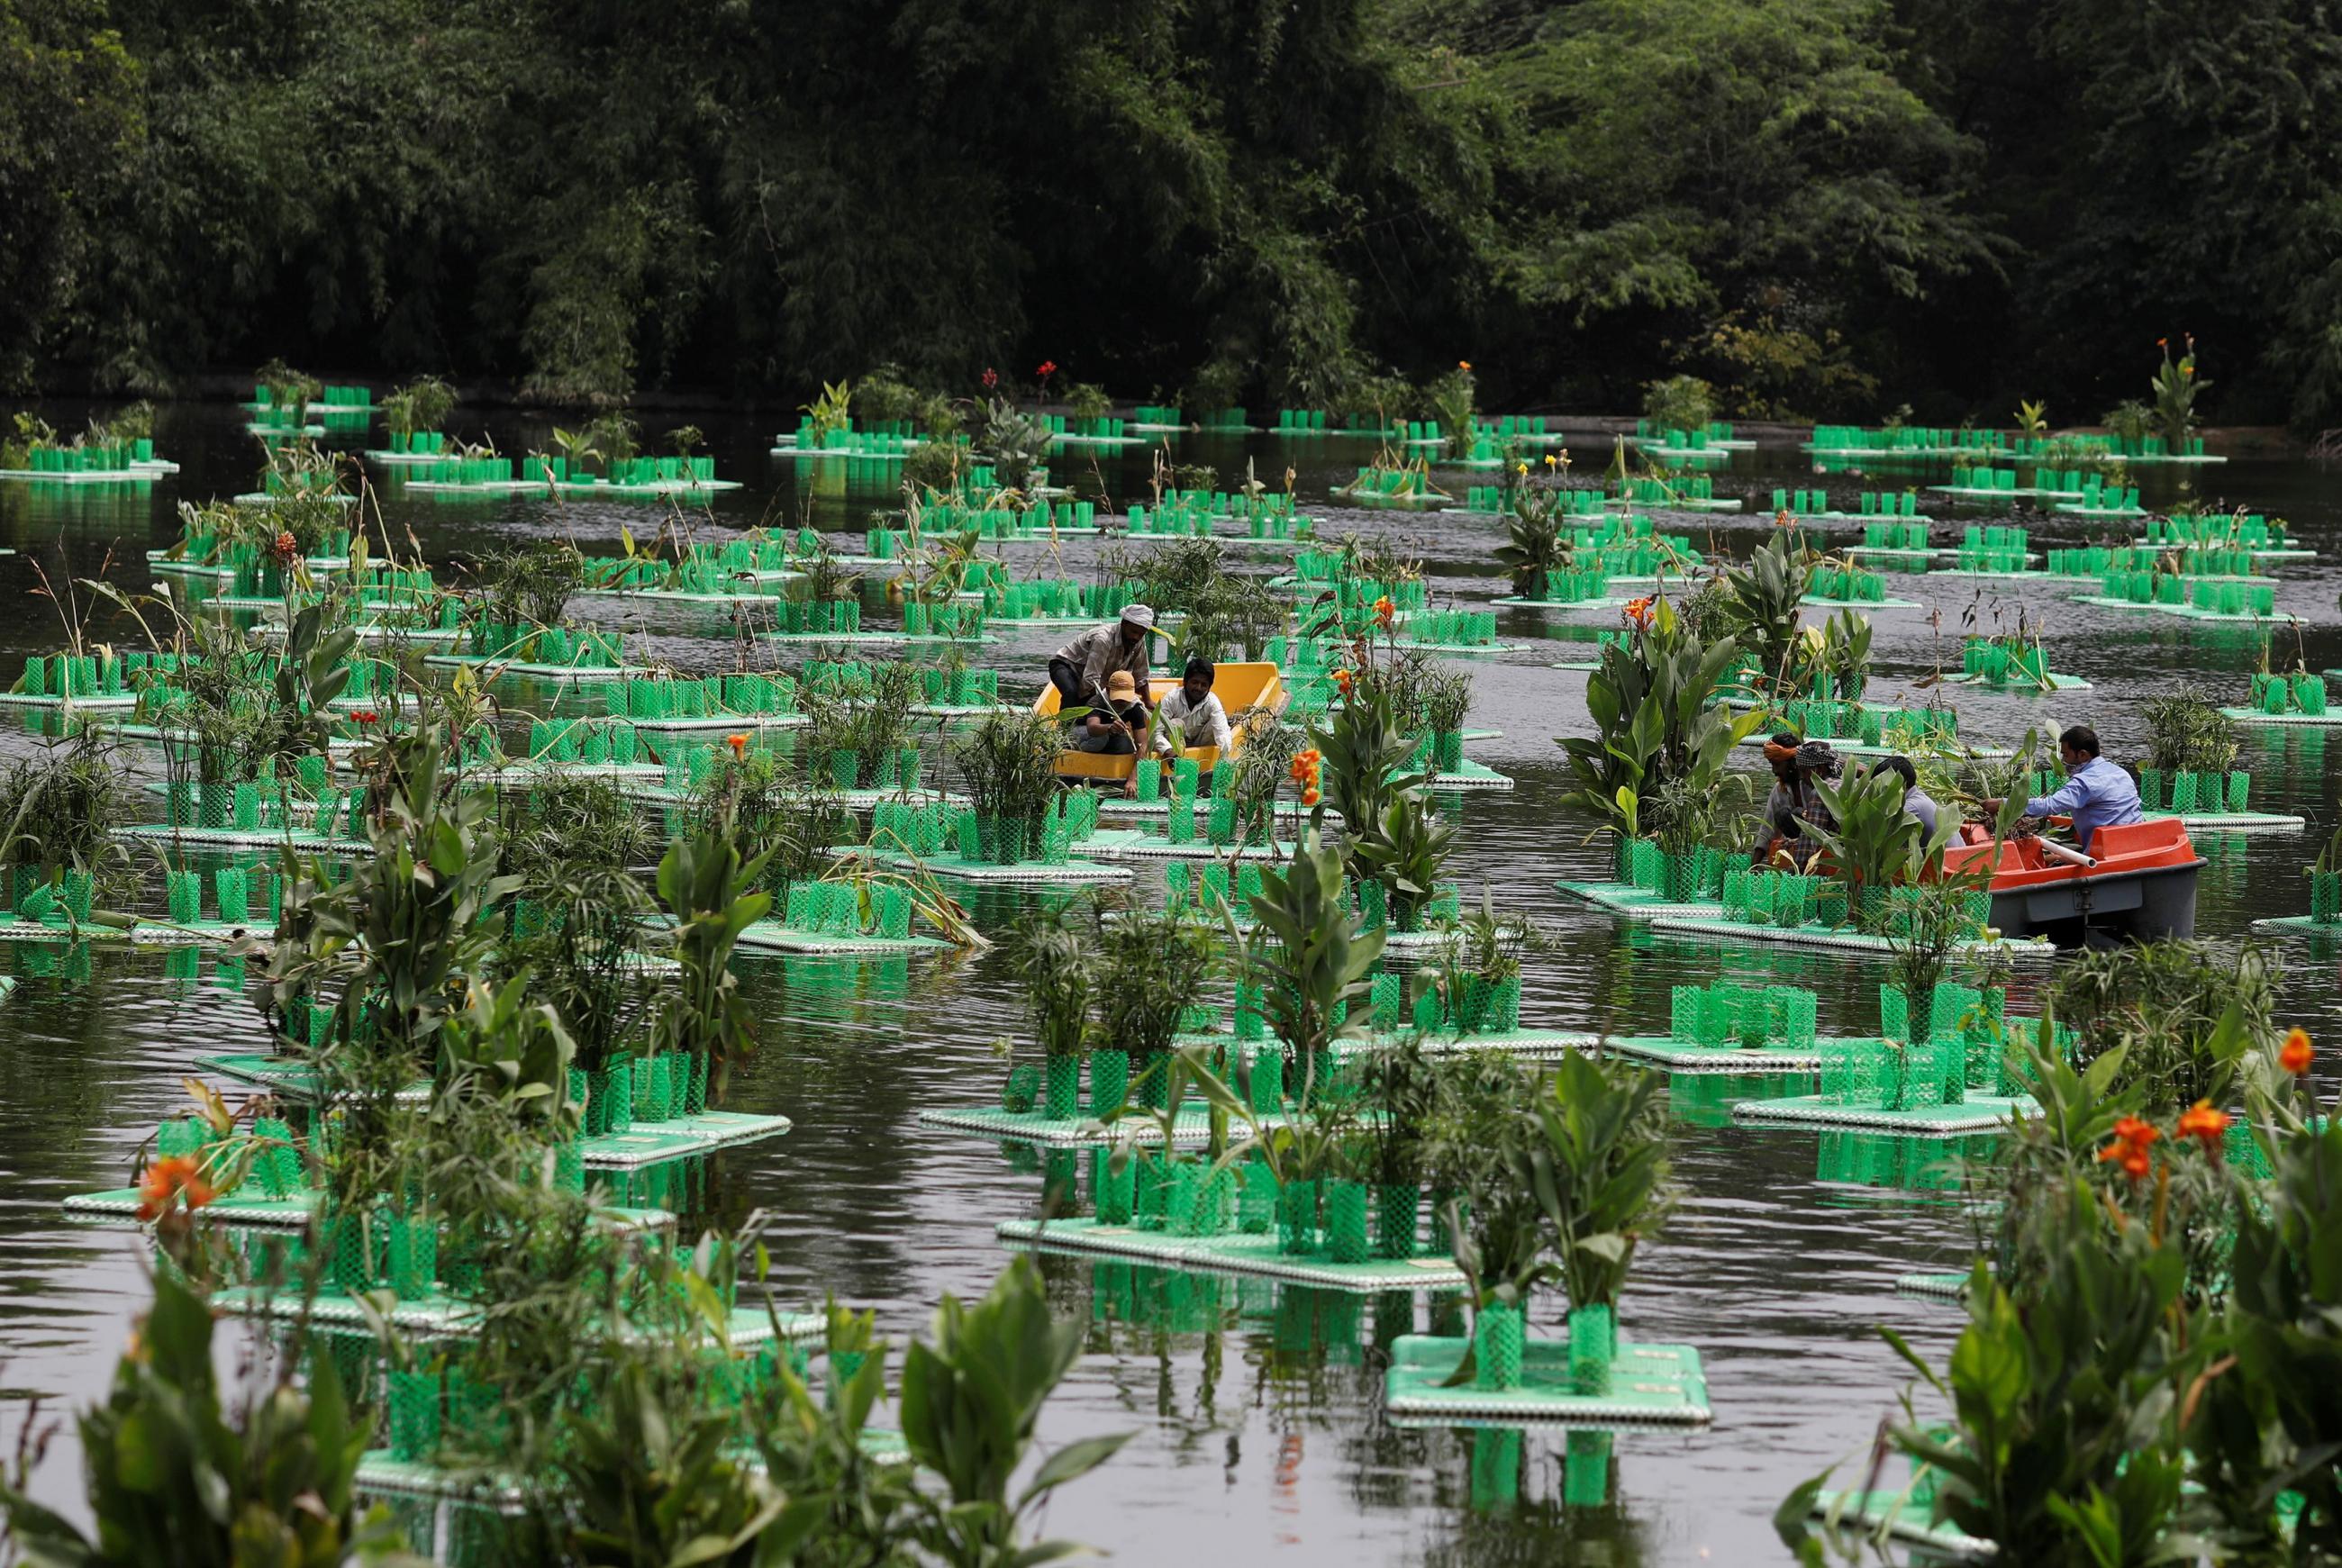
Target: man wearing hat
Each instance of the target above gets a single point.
(1081, 668)
(1117, 727)
(1794, 803)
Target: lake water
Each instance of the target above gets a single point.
(1261, 1432)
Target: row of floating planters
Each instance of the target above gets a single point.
(2171, 560)
(1848, 584)
(692, 697)
(691, 764)
(1166, 414)
(1869, 504)
(217, 550)
(1058, 598)
(250, 807)
(945, 686)
(2097, 495)
(1100, 427)
(2250, 530)
(1566, 586)
(1578, 501)
(1034, 520)
(2111, 445)
(327, 400)
(848, 908)
(2299, 693)
(1894, 537)
(2209, 595)
(1451, 628)
(418, 443)
(1391, 484)
(574, 645)
(1714, 430)
(1724, 1014)
(1997, 661)
(2212, 794)
(1648, 492)
(1204, 889)
(1759, 895)
(591, 742)
(1870, 724)
(117, 457)
(1898, 438)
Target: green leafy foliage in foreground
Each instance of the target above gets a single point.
(1231, 199)
(2148, 1372)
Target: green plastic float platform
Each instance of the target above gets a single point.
(117, 463)
(1551, 1382)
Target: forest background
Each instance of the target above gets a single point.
(1827, 209)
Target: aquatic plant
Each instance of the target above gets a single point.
(2187, 733)
(1679, 403)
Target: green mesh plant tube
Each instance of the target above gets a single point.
(415, 1414)
(1397, 1207)
(1112, 1190)
(1062, 1088)
(1022, 1090)
(1347, 1236)
(1593, 1347)
(1110, 1081)
(1499, 1341)
(1256, 1204)
(1296, 1217)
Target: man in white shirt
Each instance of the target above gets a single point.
(1191, 715)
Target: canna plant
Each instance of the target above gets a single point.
(1655, 719)
(2175, 386)
(710, 891)
(1309, 957)
(172, 1477)
(1406, 850)
(1595, 1160)
(971, 1396)
(1875, 843)
(1536, 539)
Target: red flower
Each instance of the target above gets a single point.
(2296, 1056)
(366, 716)
(2132, 1139)
(1049, 368)
(991, 378)
(286, 545)
(2201, 1121)
(167, 1179)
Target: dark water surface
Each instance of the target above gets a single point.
(1260, 1421)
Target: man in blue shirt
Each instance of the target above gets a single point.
(2097, 793)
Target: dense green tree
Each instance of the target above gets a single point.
(1822, 206)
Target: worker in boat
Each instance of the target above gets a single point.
(1080, 668)
(1118, 726)
(1794, 804)
(1916, 801)
(2096, 793)
(1191, 715)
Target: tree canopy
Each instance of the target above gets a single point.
(1824, 207)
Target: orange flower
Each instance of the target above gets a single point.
(1385, 611)
(286, 547)
(2296, 1056)
(2201, 1121)
(2132, 1139)
(1344, 681)
(167, 1179)
(1462, 364)
(1638, 610)
(739, 744)
(2162, 343)
(1309, 797)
